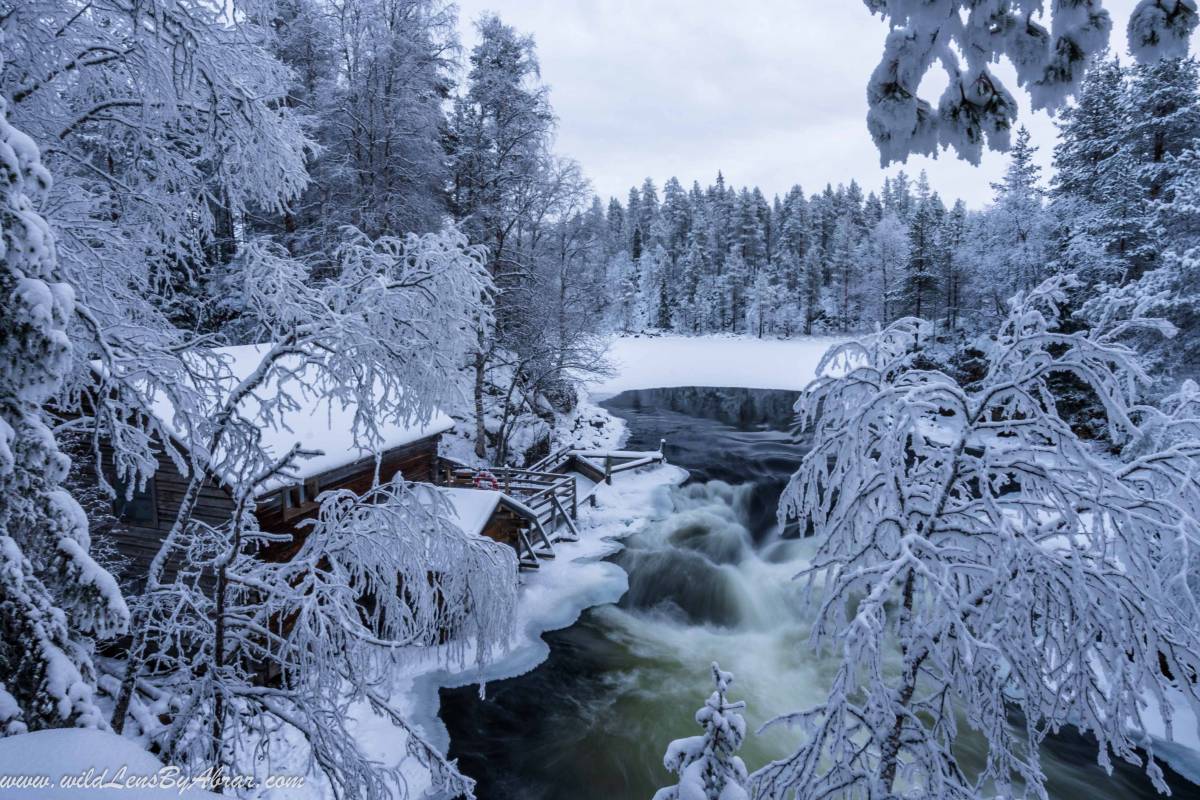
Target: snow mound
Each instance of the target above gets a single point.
(664, 362)
(96, 765)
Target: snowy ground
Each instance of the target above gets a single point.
(662, 362)
(95, 765)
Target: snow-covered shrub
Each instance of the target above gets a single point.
(54, 598)
(708, 765)
(976, 559)
(266, 657)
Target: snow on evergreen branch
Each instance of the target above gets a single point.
(54, 598)
(1050, 47)
(708, 765)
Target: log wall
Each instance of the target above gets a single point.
(139, 541)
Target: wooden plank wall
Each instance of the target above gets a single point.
(139, 543)
(415, 461)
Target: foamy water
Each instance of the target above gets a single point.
(712, 580)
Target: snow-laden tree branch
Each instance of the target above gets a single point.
(981, 570)
(291, 653)
(1049, 44)
(383, 336)
(54, 598)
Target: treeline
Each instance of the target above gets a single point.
(723, 260)
(1118, 213)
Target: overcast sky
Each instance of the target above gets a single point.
(772, 93)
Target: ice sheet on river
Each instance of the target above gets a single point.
(660, 362)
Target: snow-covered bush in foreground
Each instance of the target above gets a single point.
(1049, 61)
(981, 567)
(708, 765)
(287, 654)
(53, 596)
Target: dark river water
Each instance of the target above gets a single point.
(709, 582)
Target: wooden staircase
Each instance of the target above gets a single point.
(542, 501)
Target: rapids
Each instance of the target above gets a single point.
(710, 581)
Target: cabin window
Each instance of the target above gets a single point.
(138, 508)
(300, 499)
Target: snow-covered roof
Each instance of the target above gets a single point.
(317, 422)
(472, 507)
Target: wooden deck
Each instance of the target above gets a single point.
(542, 501)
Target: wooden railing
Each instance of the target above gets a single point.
(547, 490)
(551, 496)
(599, 465)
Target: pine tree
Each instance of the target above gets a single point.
(648, 215)
(1172, 289)
(844, 280)
(708, 765)
(676, 219)
(633, 217)
(1163, 100)
(1017, 229)
(920, 275)
(615, 233)
(951, 238)
(54, 599)
(663, 320)
(735, 277)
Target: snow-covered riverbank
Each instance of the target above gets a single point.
(579, 578)
(551, 598)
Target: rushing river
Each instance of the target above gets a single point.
(708, 582)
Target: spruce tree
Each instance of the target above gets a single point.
(54, 599)
(920, 276)
(1017, 228)
(953, 278)
(708, 765)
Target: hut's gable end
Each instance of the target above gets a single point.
(139, 533)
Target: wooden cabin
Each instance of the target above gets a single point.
(522, 508)
(147, 516)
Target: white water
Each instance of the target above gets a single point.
(711, 580)
(702, 590)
